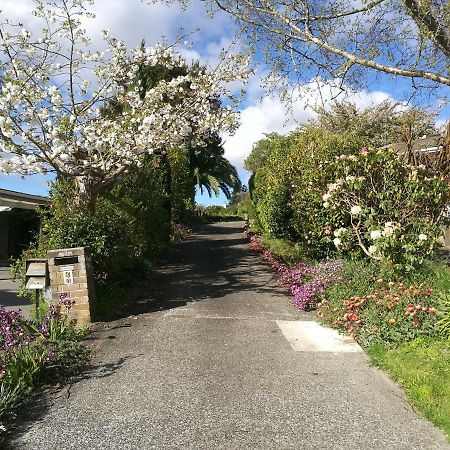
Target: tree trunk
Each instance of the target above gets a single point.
(88, 190)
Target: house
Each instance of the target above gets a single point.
(19, 221)
(424, 145)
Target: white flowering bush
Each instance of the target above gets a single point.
(392, 212)
(54, 89)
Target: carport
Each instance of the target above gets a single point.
(19, 223)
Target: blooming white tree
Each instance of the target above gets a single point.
(54, 91)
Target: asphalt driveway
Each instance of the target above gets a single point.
(204, 364)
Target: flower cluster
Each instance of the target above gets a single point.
(392, 313)
(12, 332)
(180, 232)
(306, 283)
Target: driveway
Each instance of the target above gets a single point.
(8, 293)
(205, 364)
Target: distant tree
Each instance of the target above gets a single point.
(381, 125)
(375, 123)
(411, 125)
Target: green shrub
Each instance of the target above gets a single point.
(289, 183)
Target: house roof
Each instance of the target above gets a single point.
(20, 200)
(428, 144)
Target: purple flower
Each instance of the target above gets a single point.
(305, 282)
(12, 332)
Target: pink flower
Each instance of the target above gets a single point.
(364, 150)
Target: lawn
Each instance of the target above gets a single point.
(422, 368)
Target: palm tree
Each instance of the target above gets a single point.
(211, 171)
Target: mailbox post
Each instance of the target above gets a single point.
(71, 277)
(36, 278)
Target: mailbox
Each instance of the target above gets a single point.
(71, 277)
(36, 275)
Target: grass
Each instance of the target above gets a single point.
(288, 251)
(422, 368)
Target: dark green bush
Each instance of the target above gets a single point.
(288, 184)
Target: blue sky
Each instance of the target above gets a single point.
(133, 20)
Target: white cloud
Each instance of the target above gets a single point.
(134, 20)
(272, 115)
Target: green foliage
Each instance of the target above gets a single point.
(260, 152)
(390, 211)
(444, 322)
(130, 226)
(358, 278)
(287, 251)
(182, 189)
(271, 193)
(289, 182)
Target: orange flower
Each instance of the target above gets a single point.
(346, 303)
(416, 322)
(391, 321)
(431, 309)
(353, 317)
(375, 330)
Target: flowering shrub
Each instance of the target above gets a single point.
(392, 313)
(392, 212)
(288, 185)
(306, 283)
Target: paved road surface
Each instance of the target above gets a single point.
(207, 367)
(8, 289)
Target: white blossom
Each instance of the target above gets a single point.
(423, 237)
(355, 210)
(339, 232)
(49, 124)
(375, 234)
(337, 242)
(373, 249)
